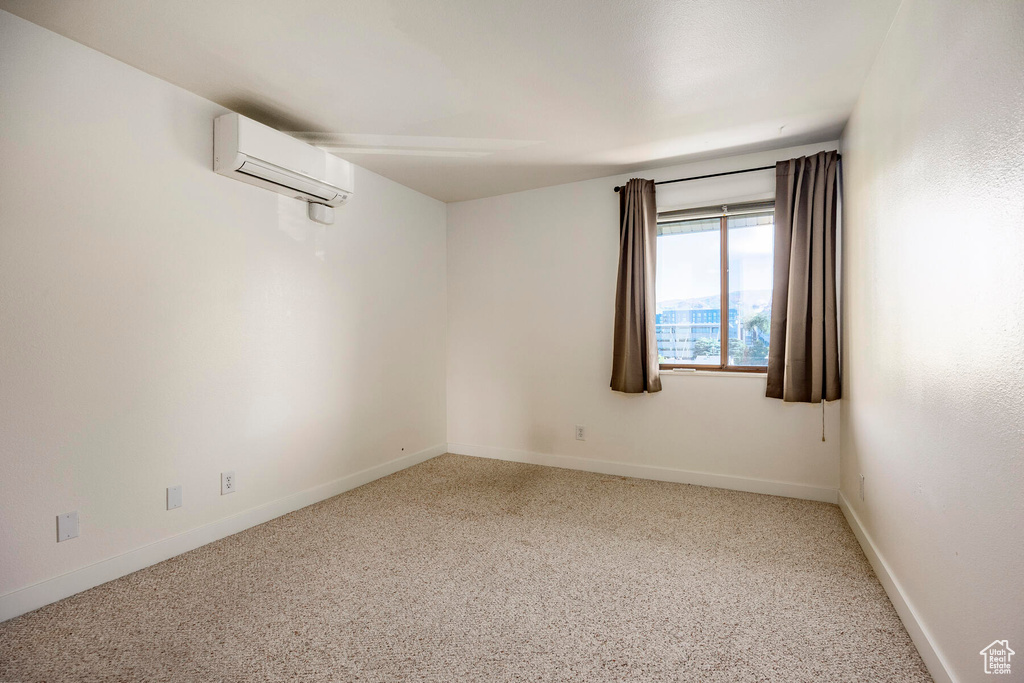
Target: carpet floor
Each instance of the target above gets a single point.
(466, 569)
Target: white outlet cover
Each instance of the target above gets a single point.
(173, 497)
(67, 526)
(228, 484)
(581, 433)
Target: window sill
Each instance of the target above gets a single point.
(686, 372)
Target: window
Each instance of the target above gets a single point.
(714, 287)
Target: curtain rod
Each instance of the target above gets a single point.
(709, 175)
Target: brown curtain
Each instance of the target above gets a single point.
(635, 356)
(803, 357)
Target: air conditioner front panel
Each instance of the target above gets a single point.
(261, 156)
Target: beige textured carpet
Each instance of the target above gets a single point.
(464, 569)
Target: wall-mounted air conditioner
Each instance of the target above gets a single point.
(253, 153)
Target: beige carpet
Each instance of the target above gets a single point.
(464, 569)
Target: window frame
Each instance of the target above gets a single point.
(723, 213)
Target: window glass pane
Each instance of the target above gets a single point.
(751, 238)
(688, 292)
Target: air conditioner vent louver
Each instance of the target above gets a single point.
(288, 183)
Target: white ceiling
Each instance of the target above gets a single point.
(470, 98)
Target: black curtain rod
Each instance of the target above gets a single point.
(709, 175)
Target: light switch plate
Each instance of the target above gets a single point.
(67, 526)
(173, 497)
(227, 483)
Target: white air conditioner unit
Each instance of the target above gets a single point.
(253, 153)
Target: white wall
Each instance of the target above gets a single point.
(933, 414)
(160, 323)
(531, 292)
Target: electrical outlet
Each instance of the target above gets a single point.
(227, 483)
(67, 526)
(581, 433)
(173, 497)
(862, 487)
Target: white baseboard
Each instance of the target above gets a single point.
(721, 481)
(43, 593)
(938, 665)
